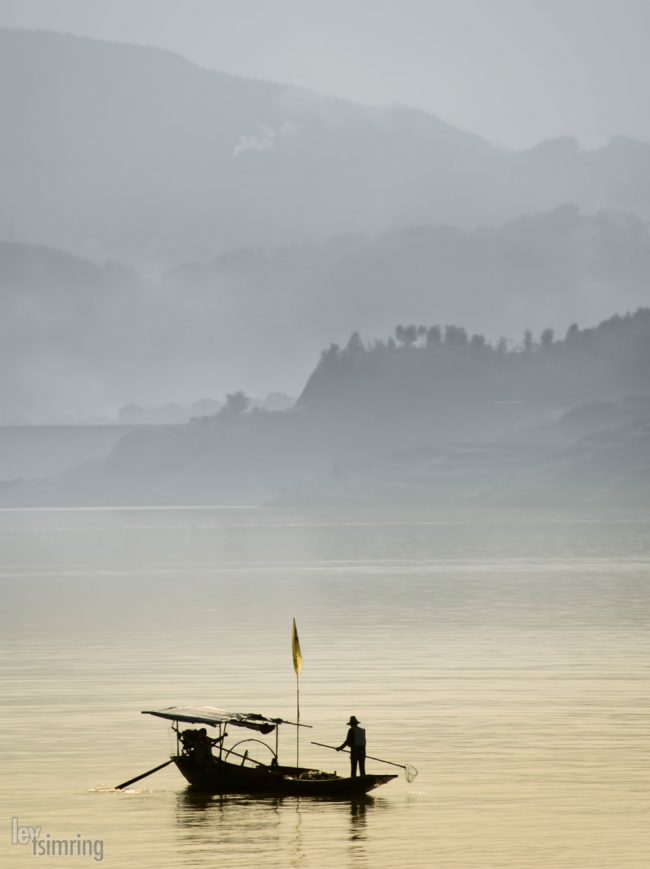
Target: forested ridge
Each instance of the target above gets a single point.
(424, 367)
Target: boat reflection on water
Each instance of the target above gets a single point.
(261, 819)
(196, 803)
(193, 803)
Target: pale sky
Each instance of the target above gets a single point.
(514, 71)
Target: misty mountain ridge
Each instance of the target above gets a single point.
(549, 267)
(79, 338)
(137, 154)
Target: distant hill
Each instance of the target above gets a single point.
(440, 383)
(133, 152)
(136, 154)
(433, 416)
(604, 467)
(553, 267)
(80, 338)
(70, 330)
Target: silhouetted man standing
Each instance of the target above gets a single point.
(356, 742)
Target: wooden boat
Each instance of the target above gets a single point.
(211, 767)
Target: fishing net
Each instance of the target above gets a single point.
(410, 773)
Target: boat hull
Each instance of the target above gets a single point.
(219, 777)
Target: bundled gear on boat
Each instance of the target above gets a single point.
(198, 744)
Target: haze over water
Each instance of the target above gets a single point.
(505, 657)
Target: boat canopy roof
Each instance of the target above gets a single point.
(213, 716)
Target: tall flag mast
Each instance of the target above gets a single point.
(297, 666)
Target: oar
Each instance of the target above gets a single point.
(144, 775)
(410, 772)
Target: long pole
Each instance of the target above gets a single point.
(297, 666)
(411, 770)
(298, 719)
(380, 759)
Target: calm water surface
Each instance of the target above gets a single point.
(506, 658)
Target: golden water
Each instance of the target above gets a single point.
(507, 658)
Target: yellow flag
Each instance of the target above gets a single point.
(295, 649)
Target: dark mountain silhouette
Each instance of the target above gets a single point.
(134, 153)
